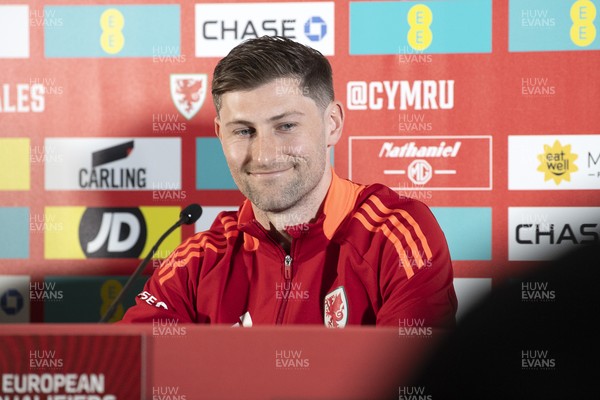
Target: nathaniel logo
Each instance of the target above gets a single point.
(557, 162)
(336, 309)
(423, 162)
(188, 92)
(112, 232)
(112, 178)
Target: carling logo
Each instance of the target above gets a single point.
(113, 163)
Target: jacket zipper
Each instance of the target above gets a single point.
(287, 275)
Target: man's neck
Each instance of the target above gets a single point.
(303, 212)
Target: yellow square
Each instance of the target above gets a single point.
(61, 238)
(14, 164)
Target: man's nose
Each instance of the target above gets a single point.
(264, 148)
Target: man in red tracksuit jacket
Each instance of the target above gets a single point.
(306, 247)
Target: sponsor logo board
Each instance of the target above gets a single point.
(422, 162)
(553, 25)
(222, 26)
(443, 27)
(14, 31)
(109, 232)
(113, 164)
(113, 31)
(563, 162)
(545, 233)
(14, 298)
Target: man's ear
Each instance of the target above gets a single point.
(218, 127)
(335, 122)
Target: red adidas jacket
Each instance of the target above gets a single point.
(371, 257)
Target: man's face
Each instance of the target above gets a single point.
(275, 142)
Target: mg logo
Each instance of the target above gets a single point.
(419, 172)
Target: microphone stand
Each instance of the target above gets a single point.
(137, 272)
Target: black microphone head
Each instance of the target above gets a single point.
(190, 214)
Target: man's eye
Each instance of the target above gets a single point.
(287, 127)
(244, 132)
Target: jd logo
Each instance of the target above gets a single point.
(112, 232)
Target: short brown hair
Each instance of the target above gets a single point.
(259, 61)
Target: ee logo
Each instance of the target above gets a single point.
(112, 23)
(109, 292)
(583, 31)
(419, 19)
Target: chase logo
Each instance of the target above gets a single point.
(109, 232)
(14, 298)
(435, 27)
(11, 302)
(544, 233)
(112, 31)
(315, 29)
(552, 25)
(113, 163)
(222, 26)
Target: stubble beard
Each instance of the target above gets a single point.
(282, 196)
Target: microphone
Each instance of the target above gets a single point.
(188, 216)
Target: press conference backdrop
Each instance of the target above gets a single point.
(485, 110)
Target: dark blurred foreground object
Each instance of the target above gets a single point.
(532, 338)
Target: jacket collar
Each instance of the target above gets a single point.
(339, 202)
